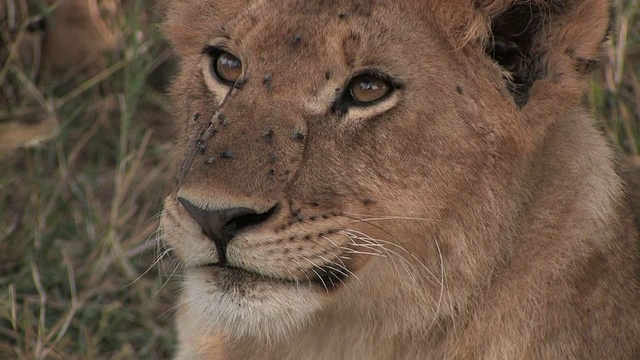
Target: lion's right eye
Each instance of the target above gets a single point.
(226, 66)
(366, 89)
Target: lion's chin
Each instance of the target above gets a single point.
(245, 304)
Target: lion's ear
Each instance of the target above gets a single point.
(189, 23)
(555, 40)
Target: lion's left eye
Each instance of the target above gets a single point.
(365, 89)
(226, 66)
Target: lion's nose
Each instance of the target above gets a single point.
(221, 225)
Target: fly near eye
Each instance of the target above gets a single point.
(366, 89)
(226, 67)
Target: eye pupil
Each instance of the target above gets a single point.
(369, 84)
(367, 89)
(226, 61)
(226, 67)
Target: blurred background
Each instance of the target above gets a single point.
(85, 161)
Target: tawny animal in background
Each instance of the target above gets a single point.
(73, 37)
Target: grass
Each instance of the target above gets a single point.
(78, 220)
(78, 211)
(615, 94)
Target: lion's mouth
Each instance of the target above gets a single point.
(228, 273)
(321, 277)
(223, 272)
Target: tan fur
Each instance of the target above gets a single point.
(470, 222)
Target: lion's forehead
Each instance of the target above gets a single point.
(322, 33)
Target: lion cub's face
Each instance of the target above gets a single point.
(323, 151)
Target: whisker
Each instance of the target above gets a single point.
(389, 253)
(341, 257)
(153, 264)
(353, 251)
(318, 275)
(335, 269)
(301, 268)
(153, 218)
(375, 247)
(167, 281)
(400, 247)
(393, 261)
(441, 295)
(337, 248)
(364, 218)
(295, 279)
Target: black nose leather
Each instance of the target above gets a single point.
(221, 225)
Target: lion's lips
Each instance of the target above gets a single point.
(223, 269)
(228, 274)
(323, 277)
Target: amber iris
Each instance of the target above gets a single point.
(366, 89)
(227, 67)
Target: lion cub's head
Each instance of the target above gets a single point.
(341, 154)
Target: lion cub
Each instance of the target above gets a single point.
(417, 179)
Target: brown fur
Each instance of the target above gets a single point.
(473, 214)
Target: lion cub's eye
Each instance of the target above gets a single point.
(226, 67)
(366, 89)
